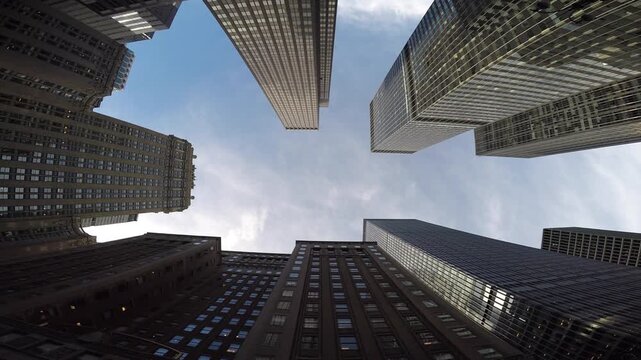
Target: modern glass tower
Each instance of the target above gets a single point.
(350, 300)
(615, 247)
(473, 63)
(121, 20)
(288, 47)
(547, 305)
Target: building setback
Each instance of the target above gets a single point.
(121, 20)
(472, 63)
(288, 47)
(545, 304)
(50, 57)
(349, 300)
(615, 247)
(59, 162)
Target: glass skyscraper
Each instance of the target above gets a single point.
(472, 63)
(615, 247)
(547, 305)
(288, 46)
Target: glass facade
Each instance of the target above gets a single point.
(547, 305)
(615, 247)
(288, 46)
(468, 64)
(349, 300)
(609, 115)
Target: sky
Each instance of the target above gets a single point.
(261, 188)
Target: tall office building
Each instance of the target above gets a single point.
(288, 46)
(349, 300)
(547, 305)
(36, 236)
(615, 247)
(121, 20)
(213, 317)
(94, 286)
(50, 57)
(609, 115)
(58, 162)
(472, 63)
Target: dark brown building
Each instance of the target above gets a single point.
(36, 237)
(96, 286)
(350, 300)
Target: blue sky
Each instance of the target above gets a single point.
(261, 187)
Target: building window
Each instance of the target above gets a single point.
(224, 332)
(348, 343)
(216, 319)
(233, 348)
(427, 338)
(429, 304)
(288, 293)
(309, 343)
(378, 323)
(344, 323)
(310, 323)
(206, 330)
(446, 317)
(160, 352)
(311, 307)
(444, 356)
(490, 353)
(190, 327)
(215, 345)
(388, 342)
(176, 339)
(241, 335)
(278, 320)
(194, 342)
(463, 332)
(270, 339)
(341, 308)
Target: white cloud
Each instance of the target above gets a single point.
(374, 13)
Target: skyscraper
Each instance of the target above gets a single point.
(615, 247)
(50, 57)
(545, 304)
(472, 63)
(58, 162)
(99, 285)
(349, 300)
(288, 47)
(608, 115)
(121, 20)
(37, 236)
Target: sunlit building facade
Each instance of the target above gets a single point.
(288, 46)
(350, 300)
(58, 162)
(547, 305)
(615, 247)
(472, 63)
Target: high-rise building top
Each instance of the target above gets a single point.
(545, 304)
(122, 21)
(48, 56)
(288, 46)
(469, 64)
(615, 247)
(55, 161)
(348, 300)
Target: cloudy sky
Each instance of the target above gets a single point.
(261, 188)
